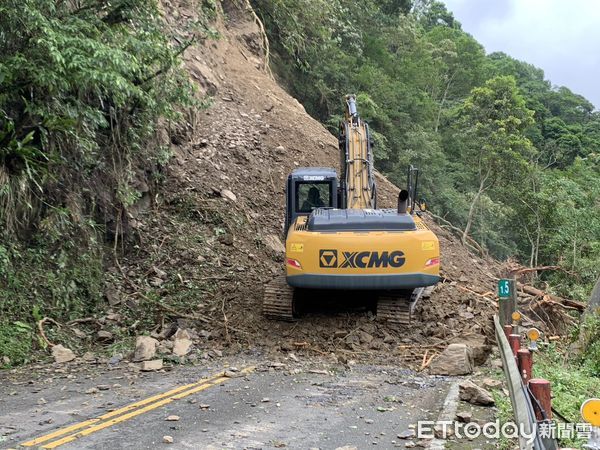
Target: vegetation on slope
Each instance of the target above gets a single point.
(507, 157)
(83, 85)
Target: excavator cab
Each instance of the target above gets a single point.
(310, 188)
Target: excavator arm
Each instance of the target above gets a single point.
(357, 182)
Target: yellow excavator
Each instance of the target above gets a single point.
(337, 239)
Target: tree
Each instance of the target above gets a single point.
(490, 123)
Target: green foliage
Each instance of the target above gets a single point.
(15, 343)
(572, 384)
(504, 154)
(84, 88)
(81, 89)
(590, 339)
(57, 275)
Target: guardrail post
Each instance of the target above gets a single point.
(515, 343)
(508, 330)
(525, 364)
(541, 391)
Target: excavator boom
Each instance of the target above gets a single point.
(357, 181)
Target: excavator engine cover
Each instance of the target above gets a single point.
(360, 220)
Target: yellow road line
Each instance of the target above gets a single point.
(127, 412)
(123, 418)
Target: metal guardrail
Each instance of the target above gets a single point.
(519, 397)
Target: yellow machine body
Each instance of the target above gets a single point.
(373, 260)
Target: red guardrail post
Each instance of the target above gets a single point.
(525, 364)
(508, 330)
(540, 390)
(515, 343)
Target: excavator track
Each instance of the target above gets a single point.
(278, 300)
(398, 309)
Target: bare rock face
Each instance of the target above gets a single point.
(274, 243)
(470, 392)
(145, 348)
(182, 344)
(456, 359)
(62, 354)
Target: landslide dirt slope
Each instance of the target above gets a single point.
(207, 255)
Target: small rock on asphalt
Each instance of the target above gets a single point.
(62, 354)
(149, 366)
(408, 434)
(464, 416)
(470, 392)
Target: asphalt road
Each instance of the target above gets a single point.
(274, 406)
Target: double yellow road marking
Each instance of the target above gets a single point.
(72, 432)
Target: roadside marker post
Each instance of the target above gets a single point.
(508, 330)
(534, 335)
(507, 297)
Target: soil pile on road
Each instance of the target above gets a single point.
(212, 236)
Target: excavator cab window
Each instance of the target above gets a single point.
(313, 195)
(309, 188)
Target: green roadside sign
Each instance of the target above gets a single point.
(504, 288)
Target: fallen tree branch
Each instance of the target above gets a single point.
(426, 364)
(579, 306)
(470, 242)
(522, 270)
(83, 320)
(40, 326)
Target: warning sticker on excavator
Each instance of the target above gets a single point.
(296, 248)
(427, 245)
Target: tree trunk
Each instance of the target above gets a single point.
(472, 214)
(441, 107)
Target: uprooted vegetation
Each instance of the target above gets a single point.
(126, 244)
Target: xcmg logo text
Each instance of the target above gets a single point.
(360, 260)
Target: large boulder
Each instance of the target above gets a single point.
(478, 345)
(145, 348)
(182, 343)
(456, 359)
(470, 392)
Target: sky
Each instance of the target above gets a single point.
(560, 37)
